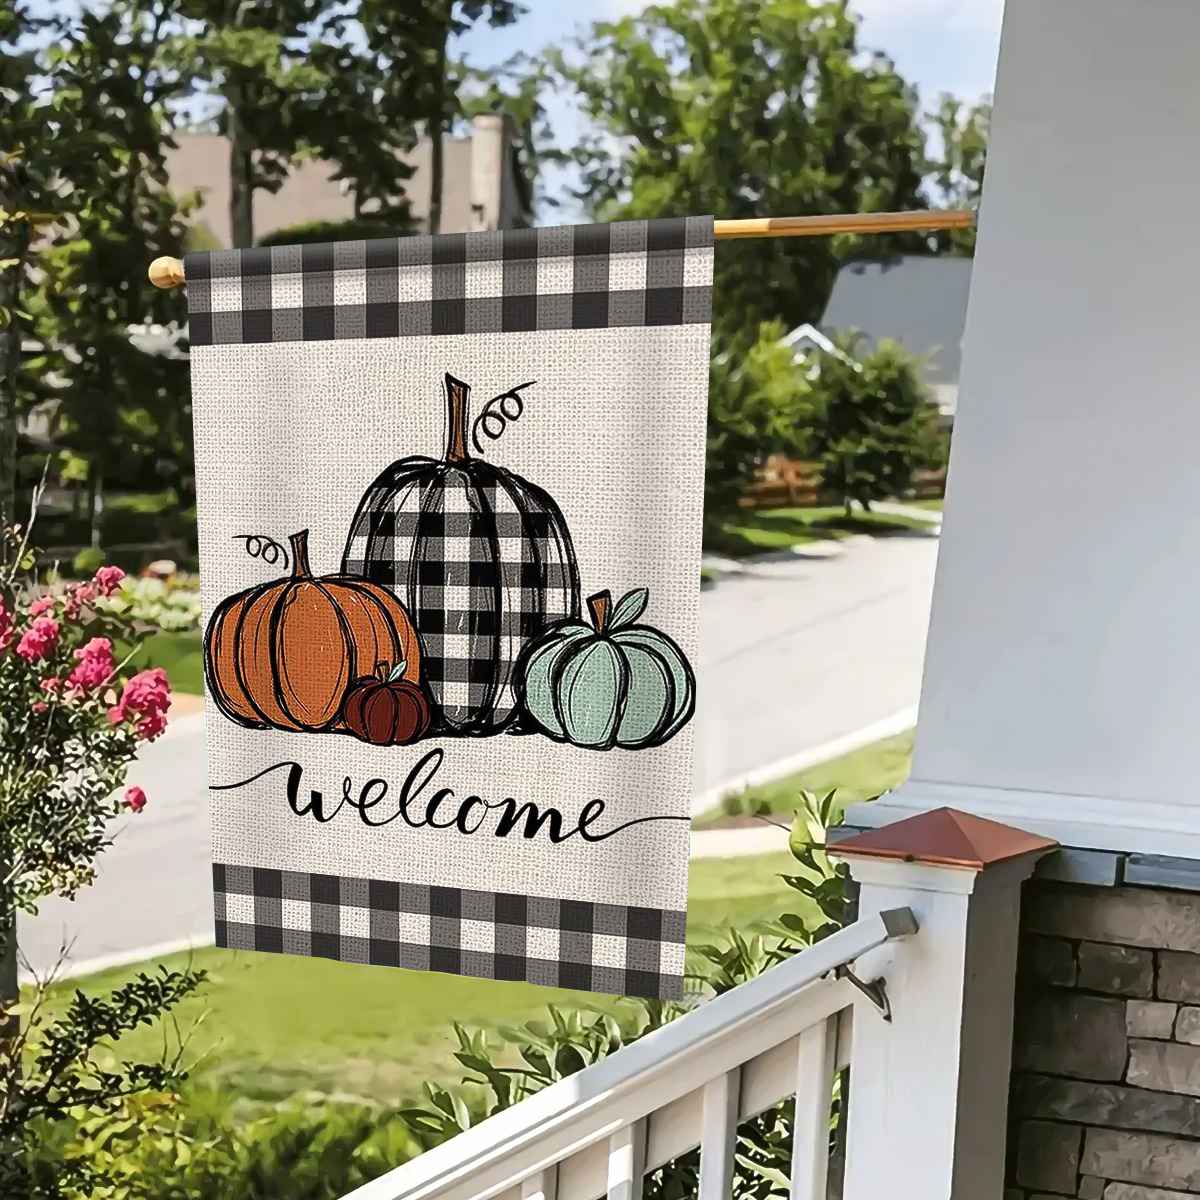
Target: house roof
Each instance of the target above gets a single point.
(805, 337)
(920, 302)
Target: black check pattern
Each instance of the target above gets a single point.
(483, 562)
(620, 950)
(628, 273)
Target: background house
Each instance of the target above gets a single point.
(917, 301)
(479, 190)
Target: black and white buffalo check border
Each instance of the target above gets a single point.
(628, 273)
(609, 948)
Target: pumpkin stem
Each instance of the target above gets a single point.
(300, 567)
(381, 671)
(601, 606)
(457, 394)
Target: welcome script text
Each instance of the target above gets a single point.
(422, 806)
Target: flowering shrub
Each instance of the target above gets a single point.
(172, 605)
(71, 720)
(73, 714)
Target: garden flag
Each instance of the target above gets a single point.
(449, 495)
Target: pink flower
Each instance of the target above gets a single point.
(40, 605)
(38, 706)
(96, 665)
(6, 627)
(145, 698)
(39, 639)
(108, 579)
(150, 726)
(135, 798)
(147, 691)
(51, 686)
(77, 597)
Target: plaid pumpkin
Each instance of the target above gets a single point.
(483, 561)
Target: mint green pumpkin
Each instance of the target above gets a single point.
(611, 683)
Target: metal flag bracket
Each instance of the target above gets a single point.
(875, 992)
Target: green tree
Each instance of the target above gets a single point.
(253, 62)
(72, 715)
(442, 79)
(26, 191)
(110, 400)
(957, 178)
(373, 96)
(871, 421)
(749, 110)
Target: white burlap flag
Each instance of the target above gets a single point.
(450, 496)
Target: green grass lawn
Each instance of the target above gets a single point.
(861, 775)
(757, 531)
(267, 1026)
(935, 505)
(180, 655)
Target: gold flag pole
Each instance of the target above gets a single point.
(168, 272)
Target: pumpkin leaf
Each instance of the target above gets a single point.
(398, 671)
(632, 605)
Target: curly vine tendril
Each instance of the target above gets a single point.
(497, 413)
(258, 545)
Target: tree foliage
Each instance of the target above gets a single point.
(957, 177)
(748, 110)
(253, 63)
(111, 404)
(72, 714)
(62, 1072)
(86, 137)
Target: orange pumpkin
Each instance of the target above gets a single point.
(285, 654)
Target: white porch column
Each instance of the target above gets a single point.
(1062, 678)
(929, 1088)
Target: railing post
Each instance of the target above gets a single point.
(929, 1082)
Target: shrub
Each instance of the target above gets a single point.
(316, 232)
(759, 404)
(871, 429)
(311, 1148)
(71, 719)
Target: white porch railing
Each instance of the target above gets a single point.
(688, 1084)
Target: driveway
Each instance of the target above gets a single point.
(794, 654)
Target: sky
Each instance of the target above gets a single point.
(937, 45)
(940, 45)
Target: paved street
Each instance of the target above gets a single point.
(794, 654)
(805, 651)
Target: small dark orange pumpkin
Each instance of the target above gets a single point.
(284, 654)
(385, 709)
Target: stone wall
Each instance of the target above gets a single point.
(1105, 1101)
